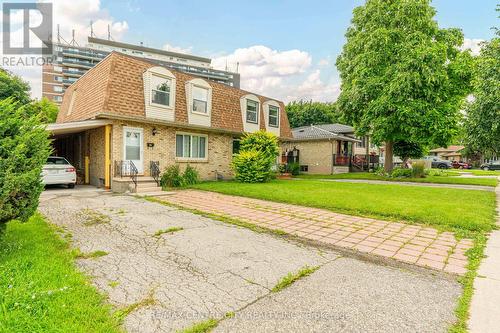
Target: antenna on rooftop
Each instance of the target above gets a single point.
(73, 41)
(92, 29)
(237, 66)
(109, 33)
(59, 37)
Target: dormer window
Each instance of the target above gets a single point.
(160, 90)
(252, 111)
(274, 112)
(200, 100)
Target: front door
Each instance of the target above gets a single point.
(133, 147)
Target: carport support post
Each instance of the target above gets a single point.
(107, 158)
(87, 175)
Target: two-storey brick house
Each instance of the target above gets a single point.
(126, 117)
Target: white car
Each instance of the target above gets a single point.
(58, 170)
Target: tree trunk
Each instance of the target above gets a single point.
(388, 161)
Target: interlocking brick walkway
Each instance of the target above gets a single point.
(414, 244)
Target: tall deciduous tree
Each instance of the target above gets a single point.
(407, 150)
(12, 86)
(45, 109)
(305, 113)
(403, 78)
(483, 114)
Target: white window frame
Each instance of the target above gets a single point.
(191, 159)
(172, 86)
(256, 111)
(277, 116)
(58, 89)
(207, 102)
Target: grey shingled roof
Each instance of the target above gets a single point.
(328, 131)
(337, 128)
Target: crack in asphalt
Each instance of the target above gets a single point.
(201, 272)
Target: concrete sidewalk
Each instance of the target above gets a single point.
(385, 182)
(412, 244)
(485, 306)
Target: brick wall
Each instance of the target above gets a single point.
(317, 155)
(96, 155)
(219, 149)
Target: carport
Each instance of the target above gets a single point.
(86, 145)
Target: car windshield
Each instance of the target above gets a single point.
(57, 161)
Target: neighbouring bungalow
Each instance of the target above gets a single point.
(328, 149)
(450, 153)
(127, 119)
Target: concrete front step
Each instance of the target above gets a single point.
(148, 189)
(144, 184)
(147, 184)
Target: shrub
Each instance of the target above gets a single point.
(418, 169)
(262, 141)
(380, 171)
(171, 177)
(251, 167)
(401, 173)
(24, 148)
(258, 152)
(294, 168)
(436, 172)
(190, 176)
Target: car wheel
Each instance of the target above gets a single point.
(486, 168)
(72, 185)
(442, 166)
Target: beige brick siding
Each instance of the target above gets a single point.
(317, 155)
(96, 155)
(219, 149)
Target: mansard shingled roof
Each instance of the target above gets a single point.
(115, 87)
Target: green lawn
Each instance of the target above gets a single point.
(441, 207)
(452, 179)
(40, 288)
(477, 172)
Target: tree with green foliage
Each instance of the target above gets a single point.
(257, 155)
(46, 109)
(403, 78)
(12, 86)
(24, 148)
(407, 149)
(482, 124)
(305, 113)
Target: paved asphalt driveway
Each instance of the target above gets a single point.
(210, 268)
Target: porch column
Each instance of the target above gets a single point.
(107, 156)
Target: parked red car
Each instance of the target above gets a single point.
(461, 165)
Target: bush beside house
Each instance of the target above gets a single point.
(254, 162)
(24, 148)
(172, 177)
